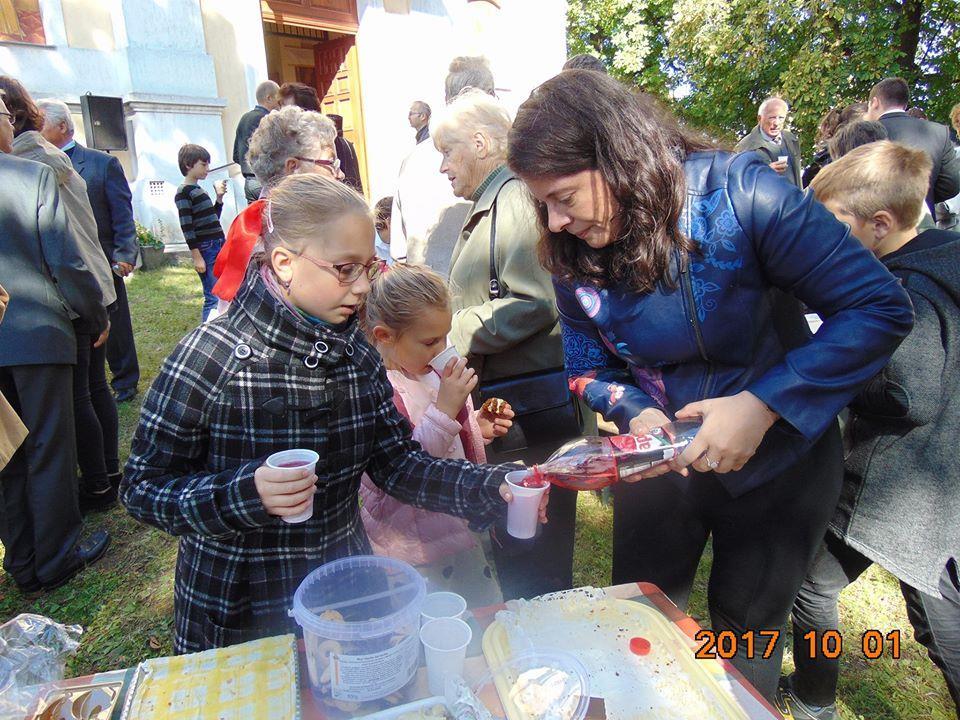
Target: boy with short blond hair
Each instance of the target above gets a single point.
(900, 499)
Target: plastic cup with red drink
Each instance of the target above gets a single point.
(294, 462)
(523, 513)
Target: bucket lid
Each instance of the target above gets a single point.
(358, 597)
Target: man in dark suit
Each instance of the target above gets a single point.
(775, 145)
(48, 283)
(110, 199)
(268, 98)
(349, 163)
(888, 104)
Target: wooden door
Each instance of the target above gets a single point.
(343, 99)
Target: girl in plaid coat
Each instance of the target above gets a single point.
(286, 367)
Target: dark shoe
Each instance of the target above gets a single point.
(114, 481)
(125, 395)
(86, 553)
(793, 708)
(31, 586)
(97, 500)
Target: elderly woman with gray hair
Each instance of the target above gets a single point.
(288, 141)
(505, 322)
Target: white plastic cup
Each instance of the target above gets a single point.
(442, 605)
(440, 361)
(523, 513)
(783, 158)
(305, 460)
(445, 643)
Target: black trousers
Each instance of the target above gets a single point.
(39, 513)
(121, 350)
(935, 621)
(527, 568)
(763, 543)
(95, 415)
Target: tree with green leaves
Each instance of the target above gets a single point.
(715, 60)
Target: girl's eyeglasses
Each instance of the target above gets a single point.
(335, 163)
(348, 273)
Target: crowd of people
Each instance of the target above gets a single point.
(588, 256)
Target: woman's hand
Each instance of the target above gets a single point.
(456, 384)
(198, 264)
(643, 423)
(283, 492)
(544, 499)
(495, 425)
(4, 299)
(731, 433)
(103, 336)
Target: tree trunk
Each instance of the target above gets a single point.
(909, 27)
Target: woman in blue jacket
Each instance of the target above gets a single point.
(668, 258)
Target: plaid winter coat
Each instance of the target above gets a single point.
(237, 389)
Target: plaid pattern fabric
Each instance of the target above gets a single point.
(253, 382)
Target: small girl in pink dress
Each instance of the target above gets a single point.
(407, 318)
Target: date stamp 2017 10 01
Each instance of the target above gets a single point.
(829, 644)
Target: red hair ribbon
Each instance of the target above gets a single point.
(234, 257)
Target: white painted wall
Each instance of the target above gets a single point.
(176, 85)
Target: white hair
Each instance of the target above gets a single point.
(286, 133)
(56, 111)
(770, 101)
(470, 112)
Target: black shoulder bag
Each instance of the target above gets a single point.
(545, 409)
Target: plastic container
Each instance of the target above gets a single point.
(542, 685)
(446, 355)
(361, 620)
(295, 462)
(523, 512)
(592, 463)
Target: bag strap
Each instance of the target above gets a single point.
(495, 290)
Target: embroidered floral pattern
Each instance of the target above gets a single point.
(581, 353)
(650, 380)
(616, 392)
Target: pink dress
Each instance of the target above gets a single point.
(401, 531)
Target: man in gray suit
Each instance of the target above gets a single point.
(776, 146)
(888, 103)
(110, 199)
(49, 284)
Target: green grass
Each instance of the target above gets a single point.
(126, 601)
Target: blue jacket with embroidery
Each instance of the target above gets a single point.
(713, 335)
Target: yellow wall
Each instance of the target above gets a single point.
(88, 24)
(233, 32)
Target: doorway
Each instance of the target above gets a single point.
(319, 49)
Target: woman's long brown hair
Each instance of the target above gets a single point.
(585, 120)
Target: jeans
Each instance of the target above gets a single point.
(763, 542)
(936, 621)
(209, 249)
(95, 415)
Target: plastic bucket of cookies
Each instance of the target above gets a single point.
(360, 618)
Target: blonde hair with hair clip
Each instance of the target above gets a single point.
(878, 176)
(301, 206)
(400, 295)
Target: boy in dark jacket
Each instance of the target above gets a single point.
(200, 219)
(900, 498)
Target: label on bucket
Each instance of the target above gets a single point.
(359, 678)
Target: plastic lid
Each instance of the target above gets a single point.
(541, 685)
(359, 597)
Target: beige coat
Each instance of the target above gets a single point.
(12, 430)
(31, 145)
(517, 333)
